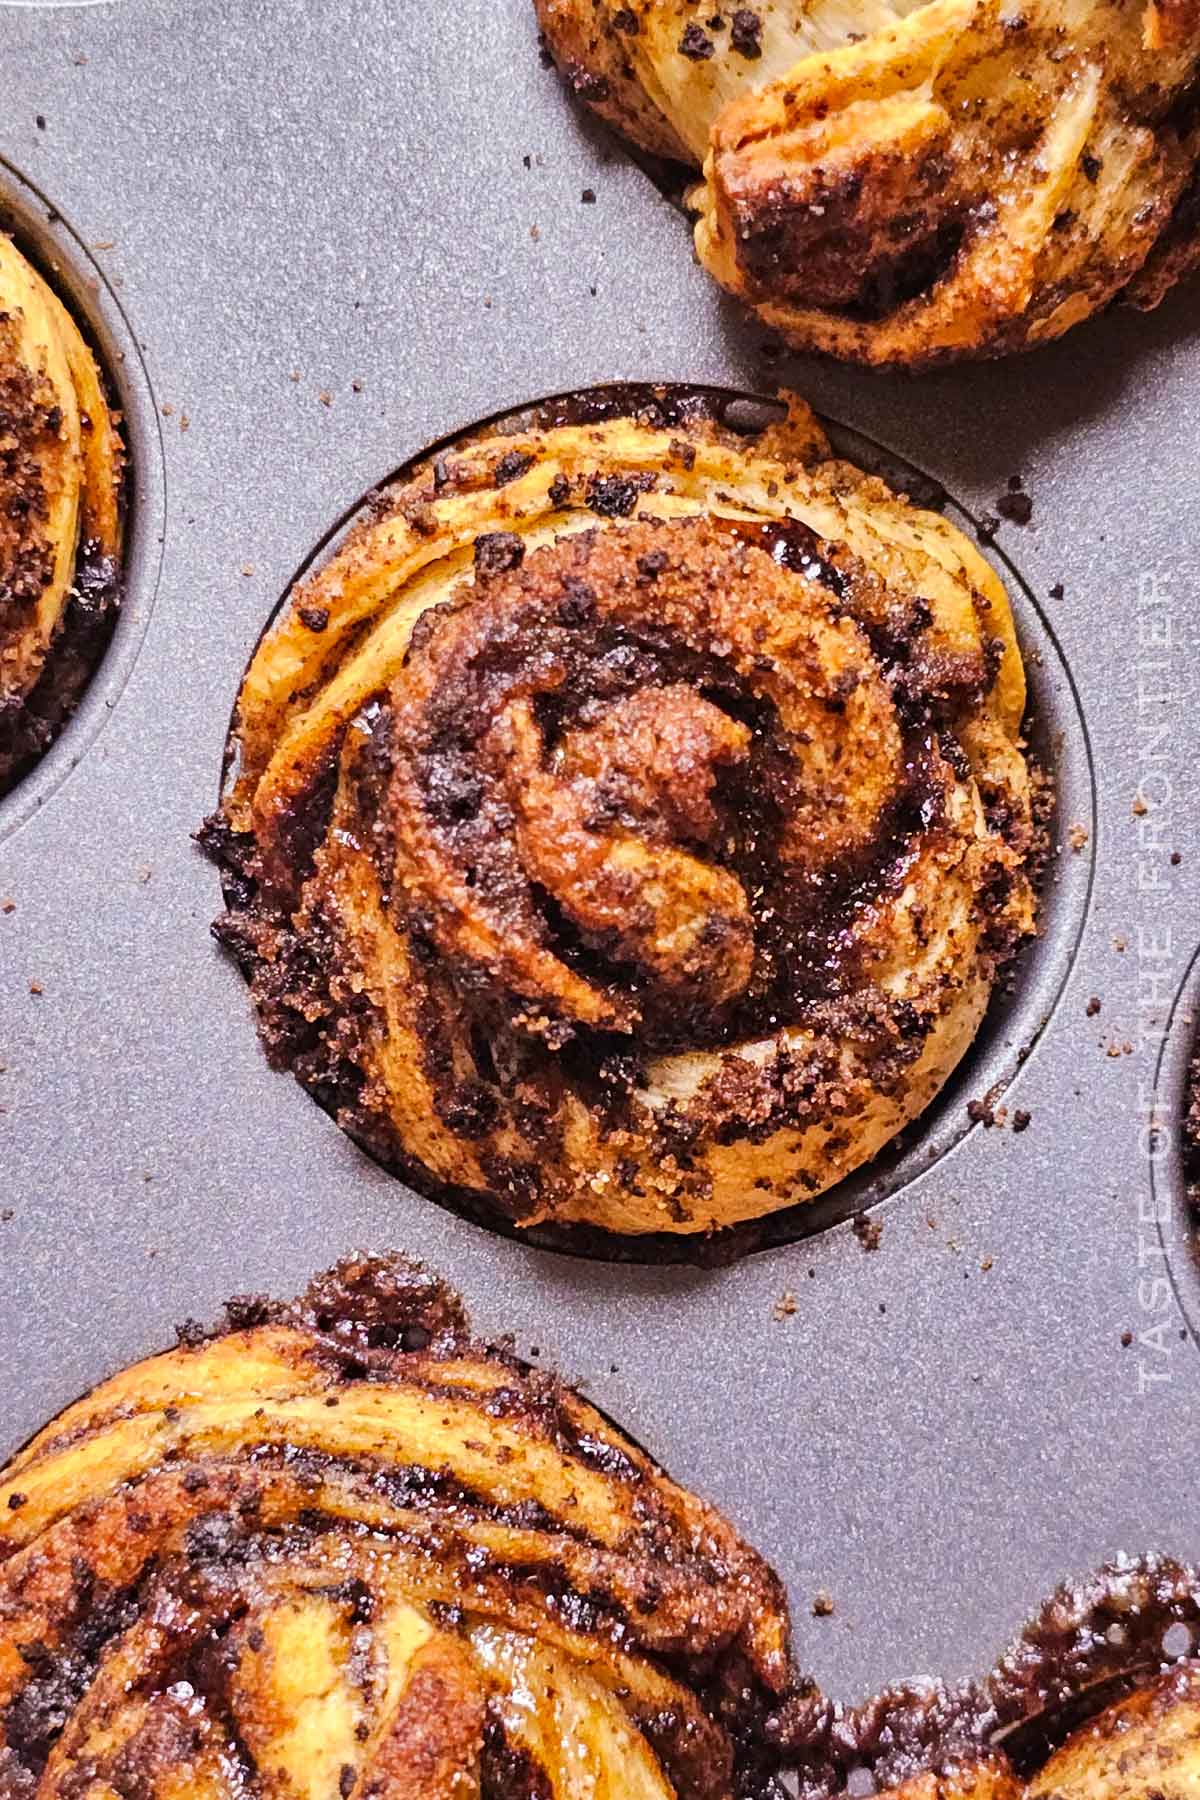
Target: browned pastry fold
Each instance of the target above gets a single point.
(900, 183)
(629, 820)
(60, 523)
(343, 1550)
(1087, 1704)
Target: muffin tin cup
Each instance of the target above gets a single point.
(1027, 993)
(56, 250)
(933, 1432)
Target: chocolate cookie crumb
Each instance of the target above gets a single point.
(1016, 505)
(868, 1231)
(615, 496)
(1021, 1119)
(745, 34)
(822, 1606)
(696, 44)
(511, 466)
(496, 552)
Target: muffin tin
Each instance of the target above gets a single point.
(1026, 994)
(312, 240)
(44, 237)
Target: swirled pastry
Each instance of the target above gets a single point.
(894, 182)
(629, 819)
(60, 523)
(343, 1551)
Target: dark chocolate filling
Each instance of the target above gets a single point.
(205, 1551)
(1092, 1640)
(29, 725)
(313, 1015)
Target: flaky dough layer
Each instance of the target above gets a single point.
(60, 525)
(343, 1549)
(899, 183)
(630, 819)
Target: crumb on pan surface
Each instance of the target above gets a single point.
(898, 183)
(61, 464)
(628, 822)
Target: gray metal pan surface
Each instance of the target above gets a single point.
(326, 235)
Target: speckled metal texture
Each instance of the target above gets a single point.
(326, 233)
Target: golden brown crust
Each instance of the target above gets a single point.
(640, 825)
(900, 184)
(1147, 1744)
(346, 1549)
(1084, 1705)
(984, 1780)
(590, 43)
(60, 527)
(1170, 22)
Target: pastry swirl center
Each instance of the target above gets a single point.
(636, 774)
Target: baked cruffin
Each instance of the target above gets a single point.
(60, 514)
(900, 183)
(626, 824)
(342, 1549)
